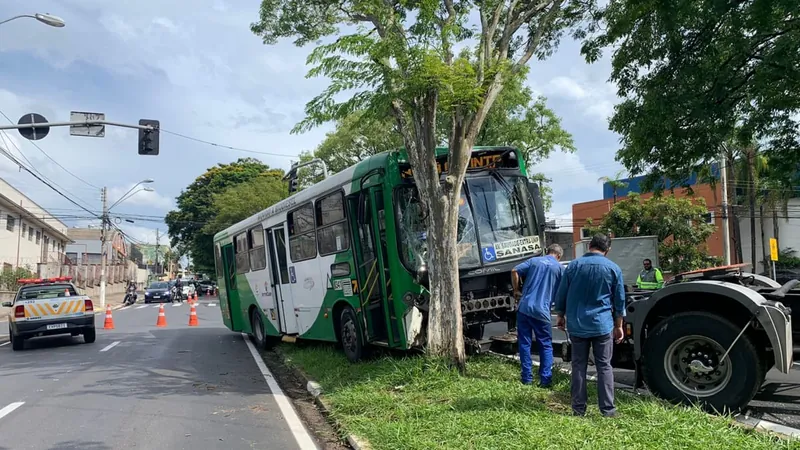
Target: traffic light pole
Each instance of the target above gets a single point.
(103, 254)
(78, 123)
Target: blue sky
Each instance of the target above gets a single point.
(196, 68)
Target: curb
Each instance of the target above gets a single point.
(746, 421)
(315, 389)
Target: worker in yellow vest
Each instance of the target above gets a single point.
(651, 277)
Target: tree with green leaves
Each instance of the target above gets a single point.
(616, 182)
(195, 207)
(678, 222)
(693, 73)
(420, 62)
(518, 119)
(241, 201)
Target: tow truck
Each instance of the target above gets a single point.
(708, 337)
(47, 307)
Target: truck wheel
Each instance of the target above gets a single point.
(17, 343)
(262, 340)
(89, 335)
(351, 336)
(682, 362)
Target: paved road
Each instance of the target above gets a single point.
(778, 401)
(143, 387)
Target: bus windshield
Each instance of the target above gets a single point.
(496, 222)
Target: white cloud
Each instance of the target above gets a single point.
(597, 98)
(567, 87)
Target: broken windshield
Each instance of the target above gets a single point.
(494, 222)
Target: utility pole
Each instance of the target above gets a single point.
(158, 247)
(104, 219)
(726, 232)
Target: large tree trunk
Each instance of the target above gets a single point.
(751, 183)
(776, 229)
(445, 333)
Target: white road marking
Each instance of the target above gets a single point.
(5, 343)
(110, 346)
(298, 430)
(124, 308)
(140, 307)
(175, 305)
(156, 306)
(212, 304)
(8, 409)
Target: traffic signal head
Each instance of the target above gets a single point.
(148, 139)
(293, 184)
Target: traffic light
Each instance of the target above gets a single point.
(148, 139)
(293, 184)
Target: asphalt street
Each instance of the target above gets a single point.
(144, 387)
(778, 400)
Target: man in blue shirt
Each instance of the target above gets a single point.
(541, 276)
(592, 297)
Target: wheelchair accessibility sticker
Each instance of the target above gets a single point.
(489, 254)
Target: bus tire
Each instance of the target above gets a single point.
(701, 337)
(260, 337)
(351, 337)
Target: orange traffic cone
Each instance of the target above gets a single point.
(109, 324)
(162, 318)
(193, 317)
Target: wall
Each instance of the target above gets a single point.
(597, 208)
(789, 232)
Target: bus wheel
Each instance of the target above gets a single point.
(350, 335)
(262, 340)
(682, 362)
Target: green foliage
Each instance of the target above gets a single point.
(678, 223)
(195, 208)
(9, 277)
(787, 259)
(243, 200)
(517, 120)
(693, 73)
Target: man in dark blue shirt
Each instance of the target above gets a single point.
(541, 276)
(592, 297)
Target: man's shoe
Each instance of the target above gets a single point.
(611, 414)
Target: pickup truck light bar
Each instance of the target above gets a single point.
(43, 280)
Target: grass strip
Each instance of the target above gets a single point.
(413, 403)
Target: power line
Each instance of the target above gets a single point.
(229, 147)
(50, 158)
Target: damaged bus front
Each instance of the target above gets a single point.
(500, 224)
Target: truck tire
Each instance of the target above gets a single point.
(351, 337)
(681, 356)
(89, 335)
(17, 343)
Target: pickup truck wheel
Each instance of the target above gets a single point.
(682, 362)
(89, 335)
(17, 343)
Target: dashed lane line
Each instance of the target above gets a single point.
(299, 431)
(141, 307)
(5, 343)
(212, 304)
(10, 408)
(110, 346)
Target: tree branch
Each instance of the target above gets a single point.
(533, 41)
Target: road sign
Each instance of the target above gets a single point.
(86, 130)
(773, 249)
(35, 133)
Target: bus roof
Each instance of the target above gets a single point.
(336, 180)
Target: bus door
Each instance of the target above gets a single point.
(232, 293)
(281, 279)
(373, 270)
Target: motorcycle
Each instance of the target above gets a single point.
(176, 294)
(130, 298)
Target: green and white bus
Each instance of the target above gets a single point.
(345, 259)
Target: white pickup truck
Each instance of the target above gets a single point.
(46, 307)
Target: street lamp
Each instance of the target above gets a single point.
(47, 19)
(125, 196)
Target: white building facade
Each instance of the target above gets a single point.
(29, 235)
